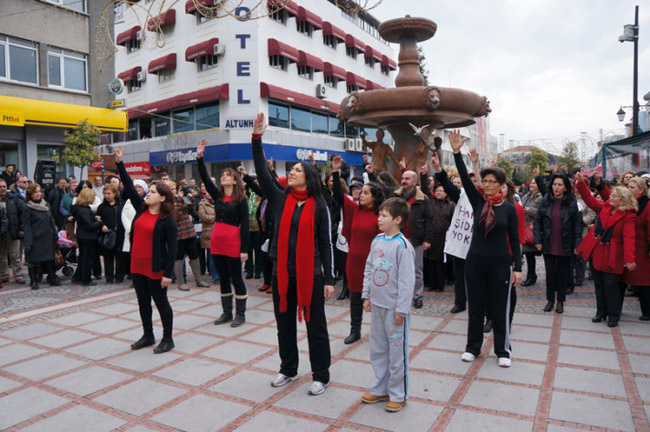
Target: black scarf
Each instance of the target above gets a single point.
(643, 201)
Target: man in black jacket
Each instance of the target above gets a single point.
(10, 234)
(53, 197)
(9, 175)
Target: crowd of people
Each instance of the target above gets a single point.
(386, 240)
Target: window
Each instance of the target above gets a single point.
(18, 60)
(331, 81)
(132, 45)
(353, 88)
(369, 61)
(207, 116)
(385, 70)
(304, 27)
(132, 131)
(206, 62)
(133, 86)
(161, 125)
(319, 123)
(78, 5)
(306, 72)
(183, 120)
(351, 131)
(351, 52)
(166, 75)
(300, 120)
(66, 69)
(331, 41)
(278, 115)
(166, 30)
(278, 62)
(337, 127)
(278, 15)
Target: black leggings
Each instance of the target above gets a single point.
(530, 265)
(437, 274)
(609, 298)
(187, 247)
(229, 270)
(557, 269)
(460, 297)
(146, 289)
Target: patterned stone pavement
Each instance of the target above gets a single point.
(65, 364)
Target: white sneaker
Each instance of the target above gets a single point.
(282, 380)
(317, 388)
(468, 357)
(505, 362)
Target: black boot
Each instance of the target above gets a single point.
(549, 306)
(530, 280)
(356, 316)
(52, 278)
(240, 312)
(33, 278)
(226, 303)
(345, 292)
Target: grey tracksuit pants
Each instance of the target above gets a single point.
(389, 354)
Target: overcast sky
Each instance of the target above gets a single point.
(550, 68)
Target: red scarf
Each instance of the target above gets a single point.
(304, 252)
(487, 214)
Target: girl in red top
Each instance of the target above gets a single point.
(229, 240)
(153, 236)
(360, 228)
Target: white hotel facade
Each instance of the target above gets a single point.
(208, 78)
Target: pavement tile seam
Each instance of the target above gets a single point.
(508, 383)
(591, 368)
(591, 347)
(544, 402)
(592, 394)
(496, 413)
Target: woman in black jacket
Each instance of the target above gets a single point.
(303, 276)
(40, 235)
(88, 227)
(154, 240)
(557, 232)
(110, 212)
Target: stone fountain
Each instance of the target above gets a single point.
(411, 103)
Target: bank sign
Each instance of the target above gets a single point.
(12, 119)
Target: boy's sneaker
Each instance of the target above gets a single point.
(505, 362)
(282, 380)
(316, 388)
(371, 399)
(394, 406)
(468, 357)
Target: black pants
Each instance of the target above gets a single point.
(187, 247)
(229, 270)
(460, 297)
(557, 268)
(267, 268)
(87, 251)
(530, 265)
(253, 265)
(570, 276)
(491, 285)
(608, 294)
(114, 265)
(319, 343)
(437, 274)
(644, 299)
(203, 253)
(580, 269)
(146, 289)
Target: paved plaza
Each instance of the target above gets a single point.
(65, 365)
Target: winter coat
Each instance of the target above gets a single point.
(420, 220)
(14, 210)
(443, 211)
(3, 222)
(571, 223)
(40, 232)
(609, 257)
(111, 218)
(206, 214)
(87, 226)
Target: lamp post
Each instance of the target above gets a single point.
(631, 34)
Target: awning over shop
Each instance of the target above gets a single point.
(167, 17)
(372, 53)
(278, 48)
(289, 6)
(192, 98)
(385, 61)
(330, 29)
(310, 17)
(334, 71)
(313, 62)
(125, 36)
(130, 75)
(354, 79)
(20, 112)
(284, 95)
(166, 62)
(190, 5)
(202, 49)
(373, 85)
(352, 42)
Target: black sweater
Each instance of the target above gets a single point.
(165, 231)
(110, 215)
(87, 226)
(491, 250)
(235, 214)
(323, 259)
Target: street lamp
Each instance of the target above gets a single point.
(620, 114)
(631, 34)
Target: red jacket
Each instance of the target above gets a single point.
(608, 257)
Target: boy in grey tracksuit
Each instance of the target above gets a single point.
(388, 285)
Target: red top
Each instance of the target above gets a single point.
(143, 239)
(225, 238)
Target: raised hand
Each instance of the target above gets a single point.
(402, 163)
(258, 125)
(424, 169)
(365, 159)
(553, 168)
(456, 141)
(336, 163)
(312, 159)
(117, 154)
(578, 176)
(565, 169)
(473, 156)
(269, 163)
(596, 176)
(436, 162)
(241, 170)
(536, 171)
(369, 168)
(200, 148)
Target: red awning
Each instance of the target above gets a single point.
(385, 61)
(197, 97)
(289, 6)
(351, 41)
(130, 34)
(370, 85)
(202, 49)
(372, 53)
(310, 17)
(190, 5)
(166, 62)
(334, 71)
(130, 75)
(354, 79)
(314, 62)
(168, 17)
(284, 95)
(331, 29)
(278, 48)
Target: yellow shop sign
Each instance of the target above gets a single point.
(11, 119)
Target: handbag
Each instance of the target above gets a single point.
(59, 260)
(529, 235)
(107, 241)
